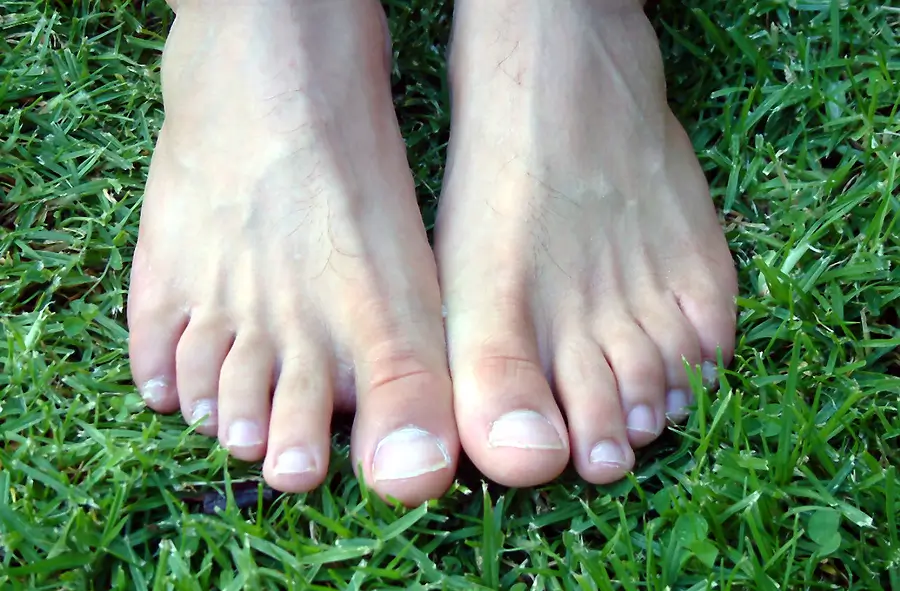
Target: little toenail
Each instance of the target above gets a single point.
(709, 372)
(408, 452)
(525, 429)
(677, 402)
(643, 419)
(609, 453)
(243, 433)
(295, 461)
(154, 391)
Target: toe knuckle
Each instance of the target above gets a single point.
(640, 369)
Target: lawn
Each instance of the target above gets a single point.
(785, 479)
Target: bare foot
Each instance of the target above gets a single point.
(579, 251)
(282, 266)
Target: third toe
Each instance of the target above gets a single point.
(640, 375)
(244, 401)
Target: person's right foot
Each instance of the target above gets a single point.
(281, 250)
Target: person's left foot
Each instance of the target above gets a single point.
(576, 241)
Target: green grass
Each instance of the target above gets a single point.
(787, 479)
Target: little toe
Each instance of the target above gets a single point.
(586, 386)
(154, 333)
(245, 389)
(711, 310)
(299, 426)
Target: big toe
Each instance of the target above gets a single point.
(509, 422)
(405, 444)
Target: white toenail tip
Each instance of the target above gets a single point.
(204, 411)
(677, 402)
(408, 452)
(642, 419)
(608, 453)
(154, 391)
(525, 429)
(709, 373)
(244, 433)
(295, 461)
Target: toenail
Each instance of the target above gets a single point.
(205, 411)
(295, 461)
(525, 429)
(643, 419)
(677, 402)
(608, 453)
(408, 452)
(154, 391)
(709, 372)
(243, 433)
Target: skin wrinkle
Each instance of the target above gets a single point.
(501, 67)
(334, 247)
(282, 100)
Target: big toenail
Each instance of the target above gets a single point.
(608, 453)
(408, 452)
(525, 429)
(677, 402)
(243, 433)
(154, 391)
(709, 372)
(204, 410)
(295, 461)
(643, 419)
